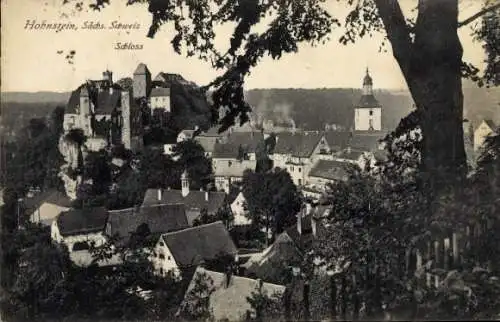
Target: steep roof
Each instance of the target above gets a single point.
(212, 132)
(207, 143)
(50, 196)
(338, 139)
(490, 123)
(229, 302)
(366, 141)
(141, 69)
(236, 169)
(107, 102)
(248, 141)
(159, 218)
(194, 200)
(329, 169)
(160, 92)
(193, 245)
(82, 221)
(74, 100)
(368, 101)
(351, 155)
(297, 144)
(169, 77)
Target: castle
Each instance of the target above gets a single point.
(110, 114)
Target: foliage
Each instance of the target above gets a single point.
(272, 199)
(266, 307)
(223, 214)
(196, 304)
(191, 157)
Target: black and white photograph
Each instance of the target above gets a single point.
(250, 160)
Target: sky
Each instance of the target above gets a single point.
(30, 59)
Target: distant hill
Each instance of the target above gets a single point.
(35, 97)
(313, 108)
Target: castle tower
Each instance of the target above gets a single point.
(85, 114)
(185, 183)
(126, 130)
(108, 75)
(142, 81)
(368, 112)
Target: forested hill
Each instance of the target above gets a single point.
(309, 108)
(313, 108)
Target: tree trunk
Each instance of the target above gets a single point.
(431, 67)
(436, 86)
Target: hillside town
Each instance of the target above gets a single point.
(243, 208)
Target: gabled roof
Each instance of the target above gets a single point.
(229, 301)
(159, 218)
(236, 169)
(82, 221)
(338, 139)
(212, 132)
(194, 200)
(490, 123)
(107, 102)
(368, 101)
(351, 155)
(169, 77)
(207, 143)
(193, 245)
(329, 169)
(247, 141)
(51, 196)
(74, 100)
(160, 92)
(141, 69)
(297, 144)
(366, 141)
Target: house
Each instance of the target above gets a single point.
(46, 206)
(296, 152)
(78, 229)
(337, 140)
(366, 141)
(208, 139)
(160, 99)
(228, 300)
(325, 172)
(230, 172)
(239, 211)
(189, 247)
(485, 129)
(185, 135)
(350, 156)
(156, 219)
(194, 201)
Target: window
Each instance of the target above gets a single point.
(161, 256)
(300, 182)
(291, 168)
(161, 271)
(371, 112)
(80, 246)
(229, 163)
(300, 169)
(169, 258)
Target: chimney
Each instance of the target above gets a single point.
(110, 90)
(299, 222)
(160, 194)
(206, 195)
(348, 149)
(313, 226)
(228, 277)
(168, 188)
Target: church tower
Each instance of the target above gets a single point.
(185, 183)
(368, 112)
(142, 81)
(85, 114)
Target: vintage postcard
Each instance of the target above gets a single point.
(250, 160)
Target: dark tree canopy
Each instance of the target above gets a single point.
(425, 46)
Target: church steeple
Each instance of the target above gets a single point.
(367, 84)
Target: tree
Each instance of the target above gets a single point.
(191, 157)
(196, 304)
(266, 307)
(272, 199)
(427, 49)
